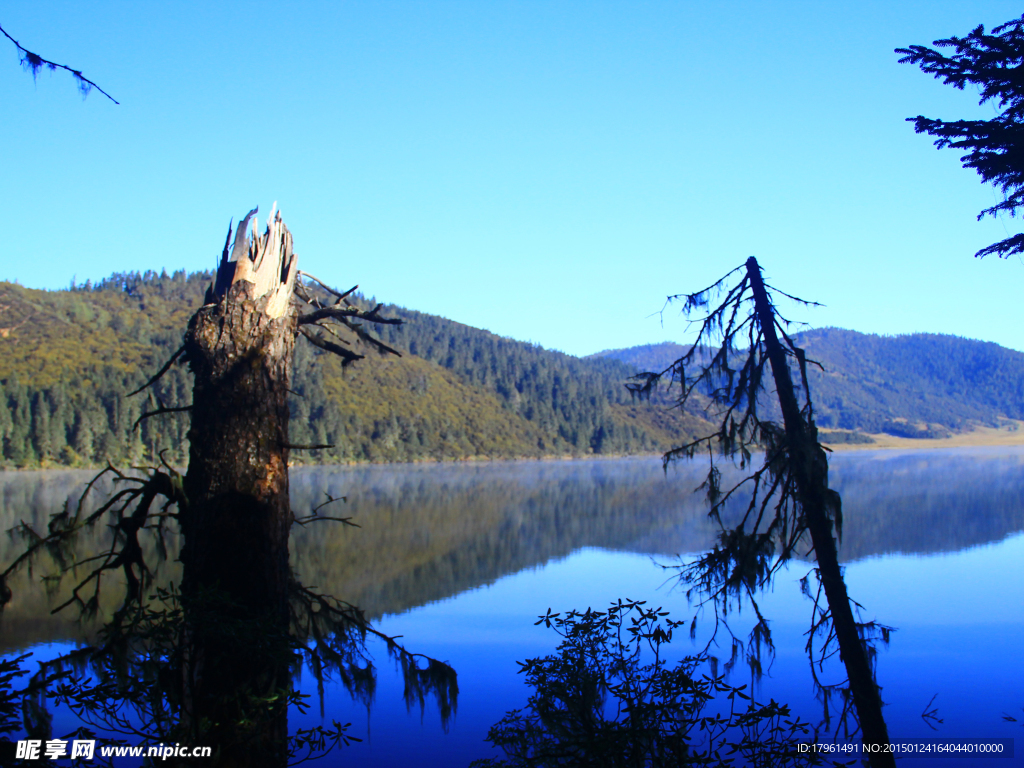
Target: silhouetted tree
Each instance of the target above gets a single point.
(790, 497)
(609, 698)
(994, 148)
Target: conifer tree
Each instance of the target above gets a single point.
(994, 148)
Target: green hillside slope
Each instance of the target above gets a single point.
(68, 358)
(891, 383)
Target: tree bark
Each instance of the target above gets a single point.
(809, 465)
(235, 556)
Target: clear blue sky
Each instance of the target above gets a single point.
(546, 170)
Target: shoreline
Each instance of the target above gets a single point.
(979, 437)
(1012, 434)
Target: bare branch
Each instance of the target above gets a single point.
(330, 500)
(347, 356)
(311, 518)
(336, 313)
(158, 412)
(303, 521)
(161, 372)
(34, 62)
(328, 288)
(344, 313)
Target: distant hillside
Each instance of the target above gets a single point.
(68, 358)
(874, 382)
(918, 385)
(645, 357)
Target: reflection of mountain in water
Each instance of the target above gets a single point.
(32, 497)
(431, 531)
(919, 502)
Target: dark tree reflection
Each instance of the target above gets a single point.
(196, 668)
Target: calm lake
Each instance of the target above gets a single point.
(461, 559)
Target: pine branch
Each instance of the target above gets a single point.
(994, 148)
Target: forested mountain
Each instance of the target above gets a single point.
(881, 383)
(69, 358)
(646, 357)
(917, 385)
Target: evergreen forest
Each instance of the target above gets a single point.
(70, 358)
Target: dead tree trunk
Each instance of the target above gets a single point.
(229, 675)
(235, 557)
(809, 467)
(236, 580)
(239, 346)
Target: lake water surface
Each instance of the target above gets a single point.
(461, 559)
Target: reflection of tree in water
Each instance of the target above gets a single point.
(137, 685)
(430, 532)
(201, 670)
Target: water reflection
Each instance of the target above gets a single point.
(428, 532)
(432, 532)
(925, 502)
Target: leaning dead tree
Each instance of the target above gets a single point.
(741, 348)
